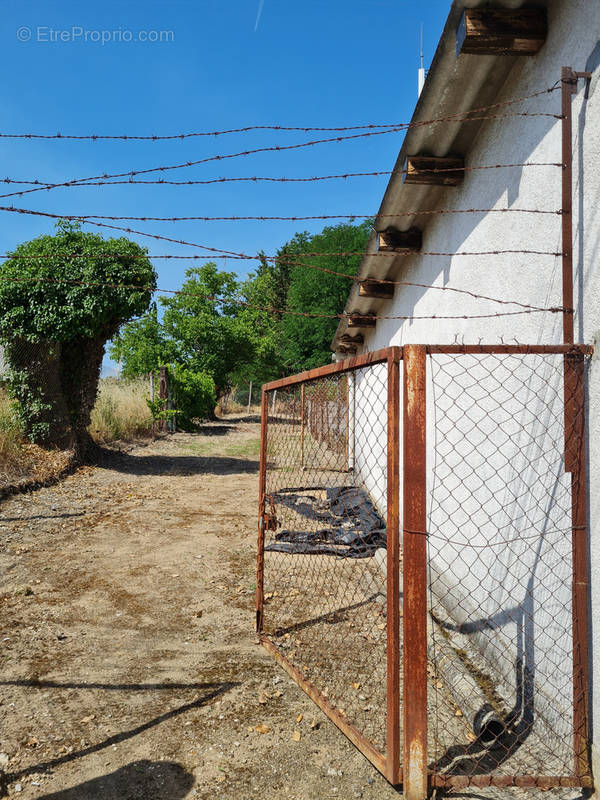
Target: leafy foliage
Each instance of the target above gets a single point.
(234, 332)
(306, 340)
(47, 291)
(61, 298)
(195, 396)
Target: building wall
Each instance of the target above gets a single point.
(530, 575)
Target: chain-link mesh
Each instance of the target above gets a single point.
(325, 556)
(501, 564)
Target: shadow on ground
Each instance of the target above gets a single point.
(140, 780)
(174, 465)
(209, 692)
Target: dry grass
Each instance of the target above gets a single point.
(121, 411)
(233, 407)
(12, 458)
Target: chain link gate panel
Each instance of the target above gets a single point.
(506, 539)
(459, 655)
(322, 595)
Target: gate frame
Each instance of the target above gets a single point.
(412, 770)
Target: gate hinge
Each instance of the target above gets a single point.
(270, 522)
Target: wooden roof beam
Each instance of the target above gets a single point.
(502, 31)
(358, 320)
(371, 287)
(391, 240)
(433, 171)
(348, 339)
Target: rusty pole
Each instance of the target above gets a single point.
(568, 89)
(163, 393)
(415, 575)
(393, 570)
(575, 458)
(262, 484)
(302, 400)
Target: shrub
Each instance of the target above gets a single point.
(195, 397)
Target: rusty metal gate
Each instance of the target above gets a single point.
(449, 646)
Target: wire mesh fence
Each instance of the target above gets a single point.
(325, 541)
(501, 561)
(467, 650)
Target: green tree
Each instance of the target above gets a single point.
(62, 297)
(262, 293)
(306, 340)
(141, 346)
(205, 334)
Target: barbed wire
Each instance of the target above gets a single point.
(232, 255)
(260, 218)
(260, 178)
(270, 309)
(464, 117)
(353, 278)
(248, 128)
(213, 250)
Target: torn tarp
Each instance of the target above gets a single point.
(349, 524)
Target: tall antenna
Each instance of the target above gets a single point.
(421, 74)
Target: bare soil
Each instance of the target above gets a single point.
(129, 664)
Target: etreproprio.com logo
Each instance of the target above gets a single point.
(45, 34)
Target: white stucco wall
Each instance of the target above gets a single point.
(533, 573)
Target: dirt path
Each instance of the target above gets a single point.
(129, 668)
(129, 664)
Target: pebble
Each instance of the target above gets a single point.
(18, 787)
(4, 759)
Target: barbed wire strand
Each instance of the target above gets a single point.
(159, 237)
(270, 309)
(230, 254)
(261, 178)
(248, 128)
(260, 218)
(353, 278)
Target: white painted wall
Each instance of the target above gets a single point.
(532, 574)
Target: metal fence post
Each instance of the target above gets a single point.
(302, 399)
(163, 393)
(153, 428)
(575, 458)
(393, 569)
(415, 575)
(262, 480)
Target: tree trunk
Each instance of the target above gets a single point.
(34, 379)
(80, 365)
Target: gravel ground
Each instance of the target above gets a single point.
(129, 665)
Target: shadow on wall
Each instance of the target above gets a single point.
(483, 756)
(159, 780)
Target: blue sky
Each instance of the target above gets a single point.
(308, 62)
